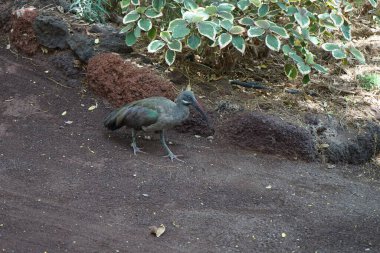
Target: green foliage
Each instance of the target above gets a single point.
(369, 81)
(91, 10)
(290, 27)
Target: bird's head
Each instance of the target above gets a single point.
(187, 98)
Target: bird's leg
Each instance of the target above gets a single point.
(134, 145)
(170, 153)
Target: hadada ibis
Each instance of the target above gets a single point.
(154, 114)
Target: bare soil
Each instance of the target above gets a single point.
(78, 188)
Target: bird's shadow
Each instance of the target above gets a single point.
(123, 139)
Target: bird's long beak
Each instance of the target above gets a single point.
(200, 109)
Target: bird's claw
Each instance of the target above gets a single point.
(174, 157)
(137, 149)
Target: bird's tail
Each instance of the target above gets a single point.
(112, 122)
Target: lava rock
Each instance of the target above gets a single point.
(178, 77)
(52, 32)
(228, 107)
(82, 46)
(346, 145)
(65, 62)
(64, 4)
(114, 42)
(5, 15)
(110, 40)
(270, 134)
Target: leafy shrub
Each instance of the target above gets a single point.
(291, 27)
(91, 10)
(369, 81)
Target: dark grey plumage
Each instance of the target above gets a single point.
(155, 114)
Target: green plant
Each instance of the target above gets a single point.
(293, 27)
(91, 10)
(369, 81)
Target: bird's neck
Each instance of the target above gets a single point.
(182, 110)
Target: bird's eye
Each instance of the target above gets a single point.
(185, 102)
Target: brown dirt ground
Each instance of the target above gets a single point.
(78, 188)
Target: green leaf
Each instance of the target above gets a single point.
(176, 22)
(320, 68)
(124, 3)
(226, 24)
(339, 54)
(243, 4)
(224, 39)
(357, 54)
(303, 68)
(158, 5)
(141, 10)
(291, 10)
(306, 79)
(166, 36)
(263, 10)
(328, 24)
(302, 20)
(151, 13)
(170, 57)
(346, 31)
(282, 6)
(145, 24)
(280, 31)
(373, 3)
(179, 29)
(127, 28)
(256, 3)
(348, 7)
(194, 41)
(211, 10)
(152, 33)
(195, 16)
(237, 30)
(226, 7)
(175, 45)
(255, 31)
(226, 15)
(190, 4)
(135, 2)
(286, 49)
(272, 42)
(137, 32)
(330, 46)
(291, 71)
(207, 30)
(155, 45)
(131, 17)
(314, 40)
(309, 58)
(239, 43)
(246, 21)
(337, 19)
(262, 24)
(130, 38)
(298, 59)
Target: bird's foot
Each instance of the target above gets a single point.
(174, 157)
(137, 149)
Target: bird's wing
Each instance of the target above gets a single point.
(136, 116)
(132, 116)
